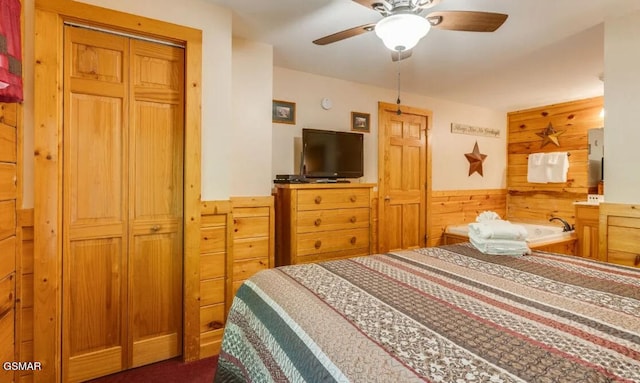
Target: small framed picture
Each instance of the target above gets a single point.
(283, 112)
(360, 122)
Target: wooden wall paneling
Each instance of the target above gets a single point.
(8, 246)
(214, 274)
(7, 321)
(49, 15)
(8, 139)
(24, 290)
(9, 116)
(7, 256)
(456, 207)
(540, 206)
(253, 238)
(537, 202)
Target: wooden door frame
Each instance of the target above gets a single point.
(387, 107)
(50, 16)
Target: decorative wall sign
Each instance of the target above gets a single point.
(549, 134)
(475, 159)
(474, 130)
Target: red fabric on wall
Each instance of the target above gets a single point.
(10, 51)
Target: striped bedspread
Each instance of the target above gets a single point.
(444, 314)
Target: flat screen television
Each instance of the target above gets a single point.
(331, 154)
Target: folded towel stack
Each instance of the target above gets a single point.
(498, 237)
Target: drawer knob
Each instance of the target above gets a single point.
(155, 228)
(317, 244)
(216, 325)
(353, 219)
(637, 260)
(353, 240)
(353, 198)
(317, 222)
(318, 200)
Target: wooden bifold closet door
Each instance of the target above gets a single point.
(122, 204)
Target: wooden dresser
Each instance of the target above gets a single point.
(620, 234)
(317, 222)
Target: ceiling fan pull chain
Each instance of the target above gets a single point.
(398, 112)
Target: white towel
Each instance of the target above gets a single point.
(500, 246)
(487, 216)
(498, 229)
(537, 168)
(557, 166)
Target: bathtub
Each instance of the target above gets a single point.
(539, 237)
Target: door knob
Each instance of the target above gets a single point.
(387, 198)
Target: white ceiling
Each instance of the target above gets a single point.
(547, 51)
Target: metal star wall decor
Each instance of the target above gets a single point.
(475, 159)
(549, 134)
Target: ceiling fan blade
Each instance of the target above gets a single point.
(344, 34)
(469, 21)
(398, 56)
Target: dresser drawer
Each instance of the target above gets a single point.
(624, 258)
(248, 227)
(322, 220)
(324, 242)
(245, 268)
(587, 213)
(212, 291)
(332, 199)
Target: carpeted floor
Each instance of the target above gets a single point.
(168, 371)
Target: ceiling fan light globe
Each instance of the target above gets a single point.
(402, 31)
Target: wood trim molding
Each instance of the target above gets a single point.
(49, 18)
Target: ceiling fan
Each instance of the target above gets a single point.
(405, 22)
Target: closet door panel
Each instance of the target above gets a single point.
(95, 160)
(95, 307)
(156, 290)
(156, 152)
(95, 210)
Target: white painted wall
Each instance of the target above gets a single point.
(252, 85)
(215, 24)
(622, 119)
(450, 167)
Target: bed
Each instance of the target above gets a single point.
(441, 314)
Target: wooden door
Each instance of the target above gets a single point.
(402, 173)
(122, 202)
(95, 207)
(155, 199)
